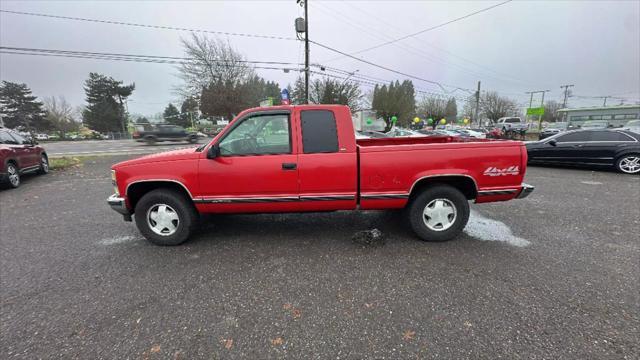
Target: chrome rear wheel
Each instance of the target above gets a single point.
(629, 164)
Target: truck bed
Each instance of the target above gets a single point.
(390, 167)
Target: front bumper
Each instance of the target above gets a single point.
(118, 204)
(526, 190)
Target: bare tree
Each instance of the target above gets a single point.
(330, 91)
(432, 107)
(211, 61)
(61, 115)
(551, 114)
(494, 106)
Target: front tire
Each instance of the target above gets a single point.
(44, 164)
(629, 164)
(439, 213)
(13, 175)
(165, 217)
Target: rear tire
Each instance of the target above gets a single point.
(193, 139)
(628, 164)
(439, 213)
(165, 217)
(150, 140)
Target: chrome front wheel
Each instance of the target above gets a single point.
(163, 219)
(629, 164)
(14, 175)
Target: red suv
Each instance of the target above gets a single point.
(19, 156)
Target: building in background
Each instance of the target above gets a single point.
(615, 116)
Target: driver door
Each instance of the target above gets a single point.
(256, 168)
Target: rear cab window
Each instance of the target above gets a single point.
(319, 131)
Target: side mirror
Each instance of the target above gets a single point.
(552, 142)
(214, 151)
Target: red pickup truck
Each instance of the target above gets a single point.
(306, 158)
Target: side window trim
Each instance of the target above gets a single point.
(257, 114)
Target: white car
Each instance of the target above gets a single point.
(475, 134)
(42, 137)
(398, 132)
(633, 125)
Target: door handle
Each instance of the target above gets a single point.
(289, 166)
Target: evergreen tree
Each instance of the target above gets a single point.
(188, 110)
(171, 115)
(19, 108)
(397, 99)
(105, 103)
(297, 94)
(451, 111)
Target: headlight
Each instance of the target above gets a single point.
(114, 182)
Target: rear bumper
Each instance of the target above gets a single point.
(526, 190)
(118, 204)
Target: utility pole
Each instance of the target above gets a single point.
(566, 94)
(306, 51)
(605, 100)
(478, 105)
(564, 102)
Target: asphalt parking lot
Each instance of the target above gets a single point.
(554, 275)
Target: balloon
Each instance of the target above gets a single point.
(369, 121)
(465, 121)
(394, 119)
(430, 121)
(443, 121)
(416, 119)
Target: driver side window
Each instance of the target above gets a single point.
(258, 135)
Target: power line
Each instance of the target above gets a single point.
(88, 53)
(112, 22)
(125, 58)
(432, 28)
(391, 70)
(353, 22)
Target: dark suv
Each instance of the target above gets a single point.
(19, 156)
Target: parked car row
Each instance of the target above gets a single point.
(400, 132)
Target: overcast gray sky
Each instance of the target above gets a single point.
(516, 47)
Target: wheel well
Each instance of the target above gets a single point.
(465, 184)
(137, 190)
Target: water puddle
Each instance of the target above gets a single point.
(118, 240)
(485, 229)
(591, 182)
